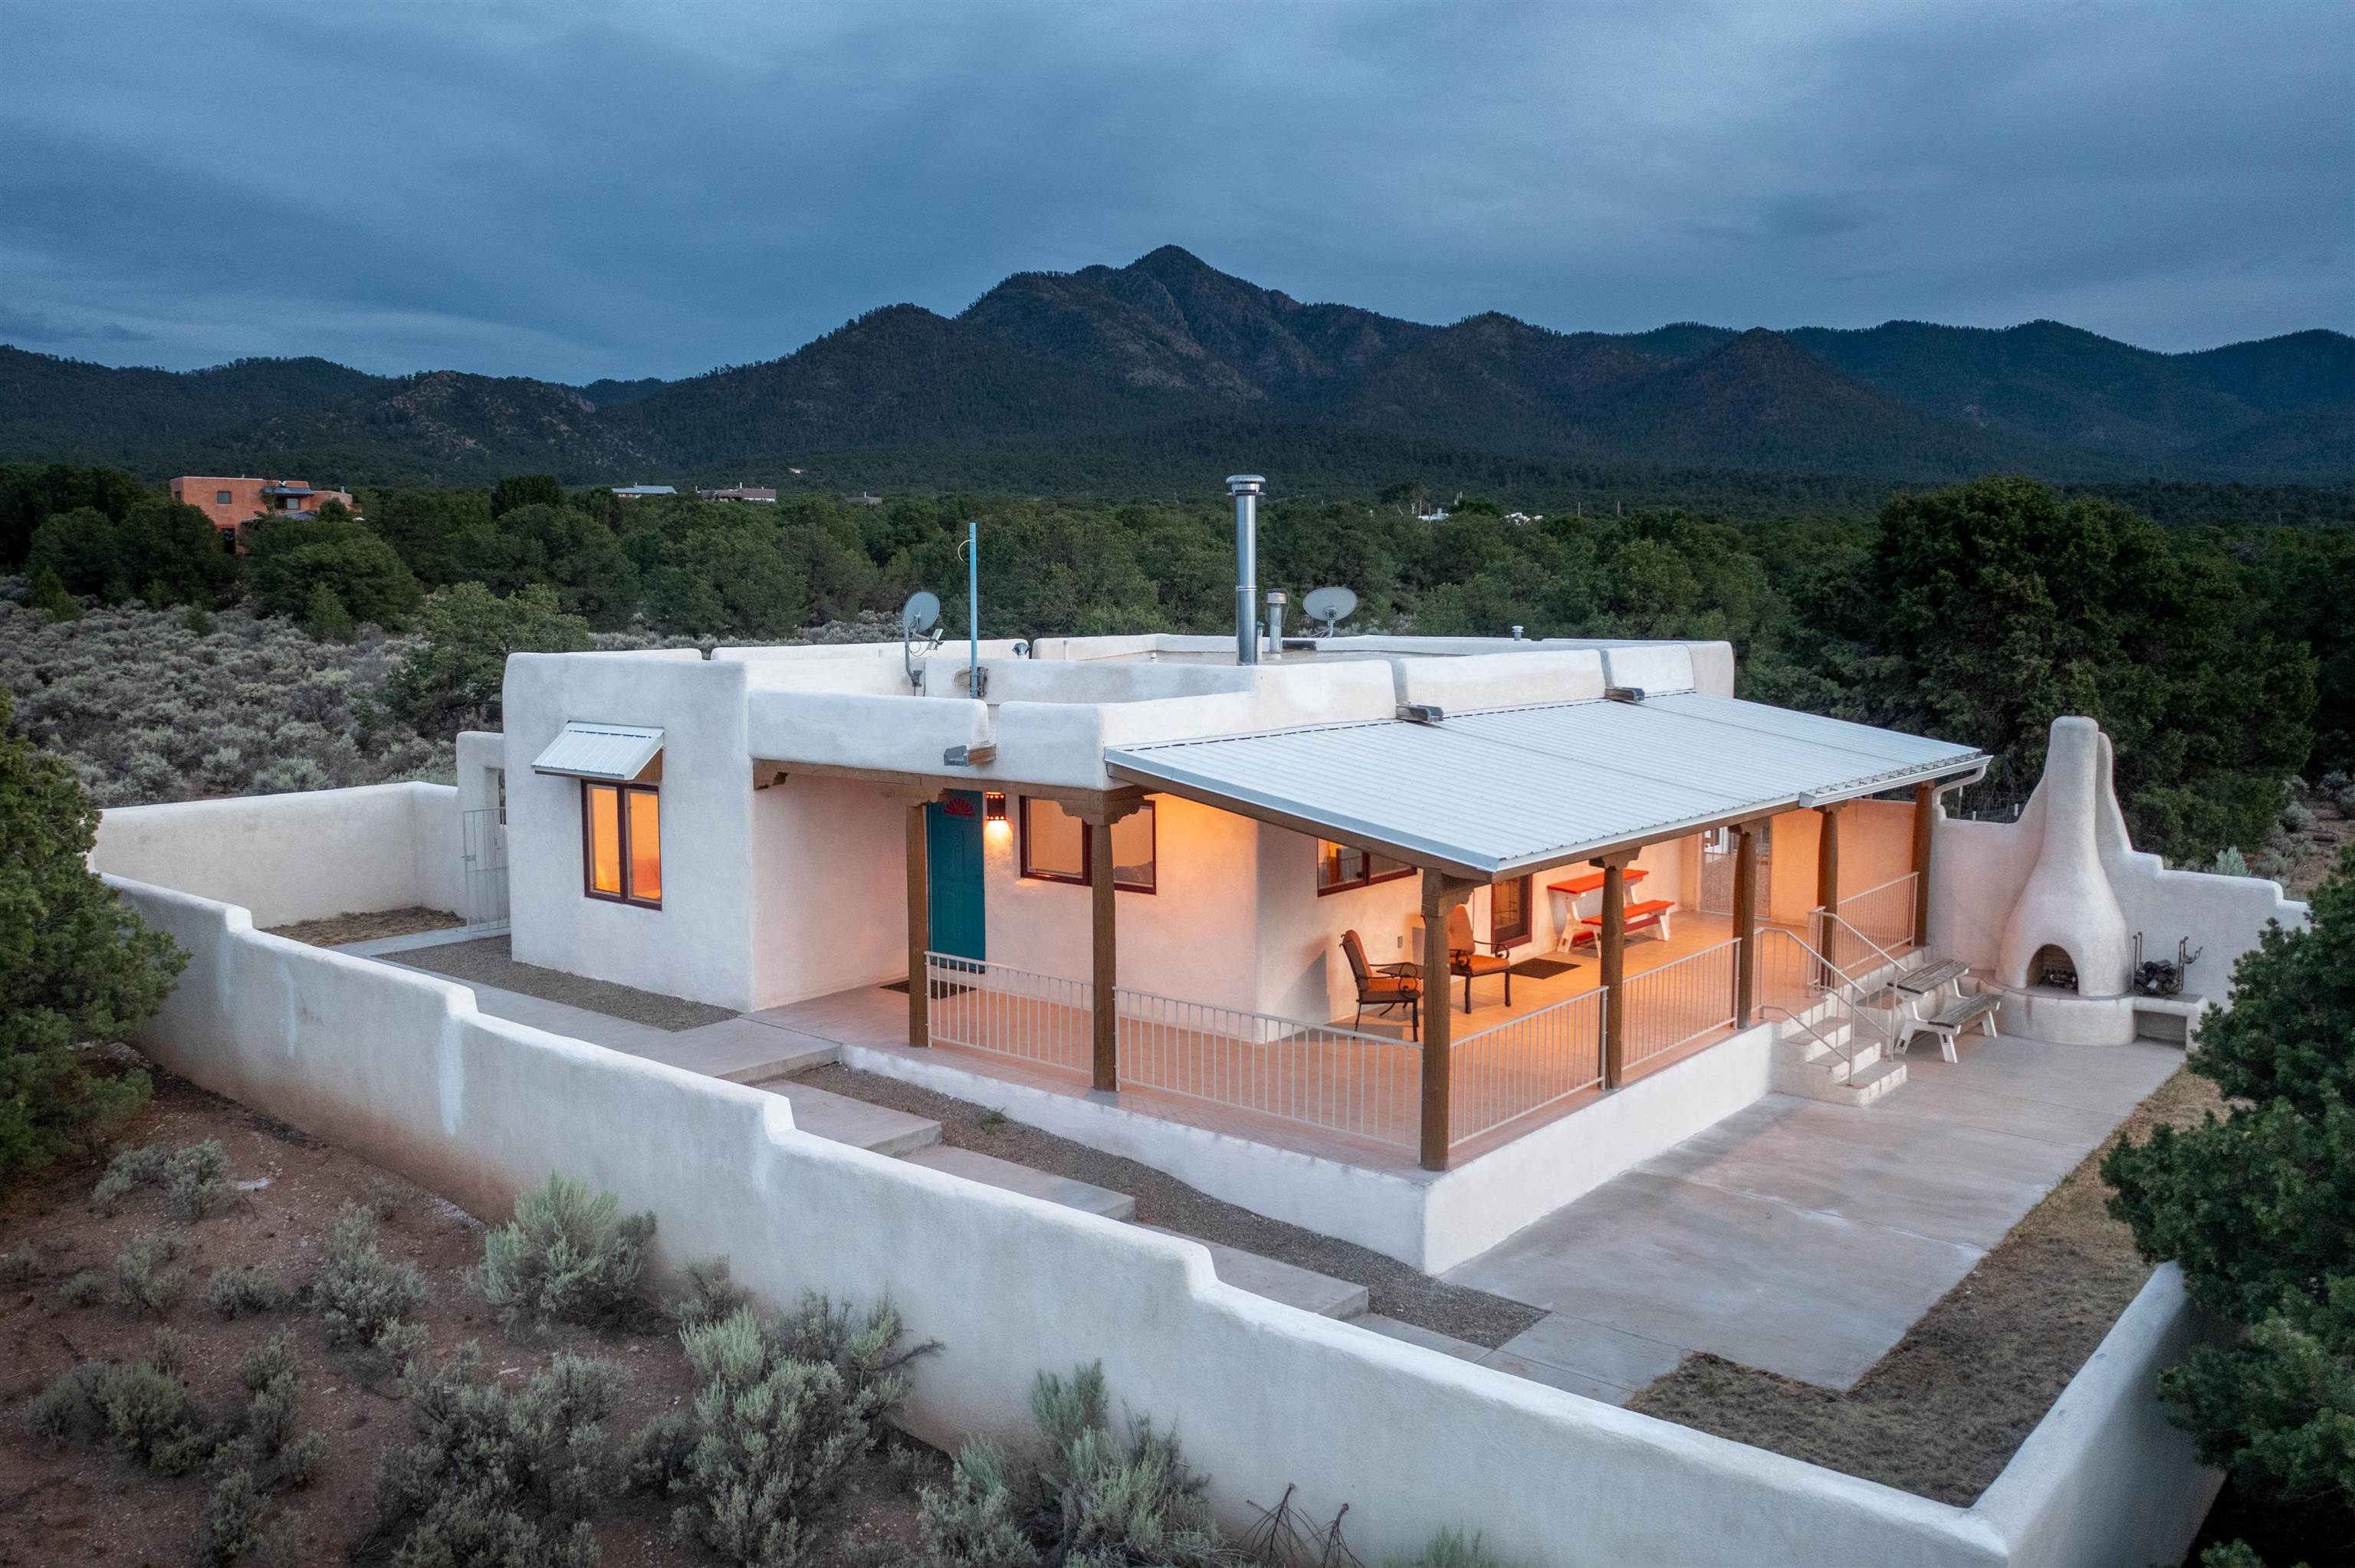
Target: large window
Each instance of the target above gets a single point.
(1508, 912)
(621, 839)
(1055, 846)
(1343, 866)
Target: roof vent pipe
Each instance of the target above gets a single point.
(1245, 488)
(1276, 600)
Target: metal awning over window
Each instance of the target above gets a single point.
(1500, 792)
(613, 753)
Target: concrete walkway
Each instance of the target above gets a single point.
(1805, 1238)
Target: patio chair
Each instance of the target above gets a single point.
(1464, 956)
(1384, 987)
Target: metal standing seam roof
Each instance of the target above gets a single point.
(615, 752)
(1503, 790)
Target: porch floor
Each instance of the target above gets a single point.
(1804, 1238)
(876, 1019)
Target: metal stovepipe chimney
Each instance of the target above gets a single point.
(1245, 488)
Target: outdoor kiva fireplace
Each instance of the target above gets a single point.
(2066, 960)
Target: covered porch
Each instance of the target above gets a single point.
(1468, 802)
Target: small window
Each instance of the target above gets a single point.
(222, 498)
(1340, 867)
(1509, 911)
(1055, 846)
(621, 829)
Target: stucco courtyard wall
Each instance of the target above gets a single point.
(309, 855)
(399, 1067)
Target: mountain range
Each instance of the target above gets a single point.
(1148, 376)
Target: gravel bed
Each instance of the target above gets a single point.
(339, 929)
(1397, 1291)
(487, 962)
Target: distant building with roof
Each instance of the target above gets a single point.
(231, 501)
(740, 493)
(632, 491)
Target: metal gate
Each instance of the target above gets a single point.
(483, 837)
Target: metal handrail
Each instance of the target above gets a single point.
(1846, 998)
(1834, 917)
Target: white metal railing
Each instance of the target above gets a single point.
(1814, 995)
(1035, 1018)
(1676, 1002)
(1366, 1086)
(1851, 950)
(1883, 915)
(1524, 1065)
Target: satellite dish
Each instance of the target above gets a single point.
(923, 612)
(1330, 605)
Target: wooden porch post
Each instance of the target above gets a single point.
(1103, 996)
(1746, 923)
(1614, 946)
(1925, 815)
(1441, 893)
(920, 925)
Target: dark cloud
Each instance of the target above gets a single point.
(33, 326)
(573, 191)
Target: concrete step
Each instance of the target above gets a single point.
(1429, 1339)
(1288, 1283)
(991, 1171)
(842, 1120)
(745, 1051)
(1871, 1083)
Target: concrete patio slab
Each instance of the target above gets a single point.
(742, 1051)
(991, 1171)
(1552, 1376)
(1806, 1238)
(1294, 1285)
(841, 1119)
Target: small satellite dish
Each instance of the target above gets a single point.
(1330, 605)
(923, 612)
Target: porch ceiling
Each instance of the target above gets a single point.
(1500, 792)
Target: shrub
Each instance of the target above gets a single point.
(161, 549)
(455, 680)
(363, 1295)
(21, 1267)
(495, 1478)
(78, 970)
(145, 1278)
(566, 1255)
(324, 619)
(1098, 1499)
(290, 558)
(2258, 1208)
(241, 1528)
(710, 1295)
(141, 1408)
(785, 1407)
(1450, 1548)
(238, 1290)
(2230, 862)
(194, 1180)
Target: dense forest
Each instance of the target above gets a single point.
(2219, 656)
(1137, 380)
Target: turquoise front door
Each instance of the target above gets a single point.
(952, 844)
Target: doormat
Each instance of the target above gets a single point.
(1544, 969)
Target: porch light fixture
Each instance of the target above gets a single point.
(969, 756)
(994, 806)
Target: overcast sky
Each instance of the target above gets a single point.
(628, 190)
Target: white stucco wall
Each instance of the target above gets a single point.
(1977, 870)
(303, 856)
(829, 888)
(700, 943)
(398, 1067)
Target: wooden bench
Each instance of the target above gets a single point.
(1925, 1008)
(1651, 914)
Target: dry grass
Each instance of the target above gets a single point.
(339, 929)
(1943, 1412)
(489, 961)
